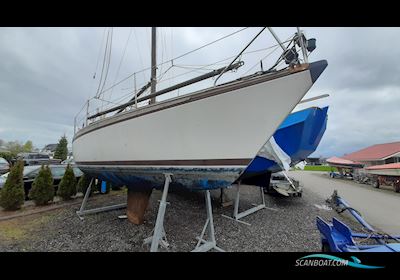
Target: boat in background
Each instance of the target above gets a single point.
(385, 174)
(342, 163)
(298, 137)
(391, 169)
(346, 168)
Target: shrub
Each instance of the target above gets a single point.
(12, 195)
(83, 184)
(42, 187)
(108, 187)
(67, 186)
(116, 187)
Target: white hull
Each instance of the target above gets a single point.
(220, 133)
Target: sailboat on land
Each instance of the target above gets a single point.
(205, 139)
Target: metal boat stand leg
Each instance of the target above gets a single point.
(289, 180)
(237, 216)
(202, 244)
(159, 236)
(224, 199)
(81, 212)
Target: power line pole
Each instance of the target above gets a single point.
(153, 62)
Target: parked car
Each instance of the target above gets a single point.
(4, 166)
(68, 161)
(30, 173)
(36, 159)
(346, 175)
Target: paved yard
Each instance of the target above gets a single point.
(380, 207)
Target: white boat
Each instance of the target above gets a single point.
(205, 139)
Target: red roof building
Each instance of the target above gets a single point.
(343, 161)
(385, 166)
(377, 154)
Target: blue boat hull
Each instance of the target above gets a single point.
(298, 136)
(150, 177)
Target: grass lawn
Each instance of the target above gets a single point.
(325, 168)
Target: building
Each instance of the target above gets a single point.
(50, 149)
(377, 154)
(313, 161)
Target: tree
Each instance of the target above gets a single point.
(28, 146)
(42, 187)
(7, 156)
(61, 151)
(67, 186)
(12, 195)
(14, 147)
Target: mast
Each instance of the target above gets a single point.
(138, 200)
(153, 63)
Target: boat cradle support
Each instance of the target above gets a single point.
(202, 244)
(257, 207)
(81, 212)
(159, 237)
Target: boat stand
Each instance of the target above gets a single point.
(237, 216)
(159, 236)
(202, 244)
(81, 212)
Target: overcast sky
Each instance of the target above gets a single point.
(46, 75)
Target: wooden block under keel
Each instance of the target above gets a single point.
(137, 205)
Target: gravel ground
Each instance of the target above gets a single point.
(291, 228)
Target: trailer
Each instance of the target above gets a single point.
(282, 184)
(394, 181)
(338, 237)
(385, 174)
